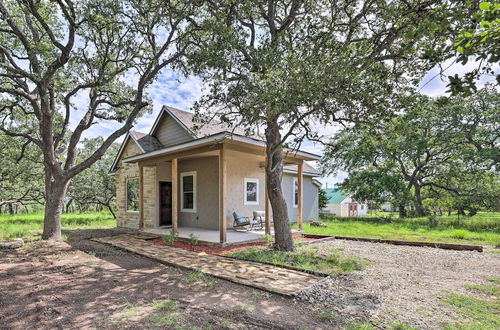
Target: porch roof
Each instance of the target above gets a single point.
(223, 137)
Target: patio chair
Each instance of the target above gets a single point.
(240, 220)
(259, 218)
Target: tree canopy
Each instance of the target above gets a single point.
(441, 148)
(287, 65)
(85, 62)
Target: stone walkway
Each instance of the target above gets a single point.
(265, 277)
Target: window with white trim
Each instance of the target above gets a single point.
(188, 191)
(132, 194)
(251, 191)
(295, 192)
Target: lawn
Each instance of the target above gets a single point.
(23, 225)
(481, 307)
(307, 258)
(484, 228)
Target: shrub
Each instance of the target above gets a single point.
(170, 238)
(194, 239)
(460, 234)
(433, 220)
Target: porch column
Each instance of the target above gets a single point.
(266, 201)
(299, 202)
(175, 192)
(222, 196)
(141, 196)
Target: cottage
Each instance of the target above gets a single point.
(343, 205)
(193, 180)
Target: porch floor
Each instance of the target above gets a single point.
(211, 235)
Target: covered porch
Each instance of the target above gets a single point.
(210, 220)
(211, 236)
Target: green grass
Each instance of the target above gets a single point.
(483, 228)
(305, 258)
(480, 313)
(23, 225)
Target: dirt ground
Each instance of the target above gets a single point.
(92, 285)
(85, 284)
(405, 284)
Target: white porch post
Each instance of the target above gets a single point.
(222, 196)
(175, 192)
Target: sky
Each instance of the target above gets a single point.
(174, 90)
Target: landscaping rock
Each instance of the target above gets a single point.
(318, 224)
(14, 244)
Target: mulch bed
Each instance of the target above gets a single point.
(222, 251)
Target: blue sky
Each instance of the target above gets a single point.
(171, 89)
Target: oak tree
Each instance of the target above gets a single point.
(72, 65)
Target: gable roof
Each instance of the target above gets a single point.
(335, 195)
(148, 143)
(145, 141)
(306, 168)
(186, 120)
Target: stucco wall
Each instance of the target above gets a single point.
(310, 210)
(240, 166)
(207, 197)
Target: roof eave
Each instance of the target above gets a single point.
(212, 139)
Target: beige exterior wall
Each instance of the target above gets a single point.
(240, 165)
(310, 209)
(207, 193)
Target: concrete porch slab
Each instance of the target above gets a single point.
(210, 235)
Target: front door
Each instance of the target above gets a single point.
(165, 203)
(353, 209)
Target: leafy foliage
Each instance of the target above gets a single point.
(445, 149)
(285, 66)
(480, 40)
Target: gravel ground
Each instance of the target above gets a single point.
(401, 283)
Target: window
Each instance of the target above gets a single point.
(132, 195)
(188, 192)
(362, 207)
(295, 192)
(251, 191)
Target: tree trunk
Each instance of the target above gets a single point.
(55, 191)
(11, 208)
(111, 210)
(402, 211)
(68, 205)
(419, 209)
(274, 172)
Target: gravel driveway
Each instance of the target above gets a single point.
(402, 283)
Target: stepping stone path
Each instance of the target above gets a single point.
(265, 277)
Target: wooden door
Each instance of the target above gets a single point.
(165, 203)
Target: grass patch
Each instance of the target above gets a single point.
(482, 313)
(305, 258)
(23, 225)
(359, 326)
(326, 314)
(166, 305)
(199, 276)
(483, 228)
